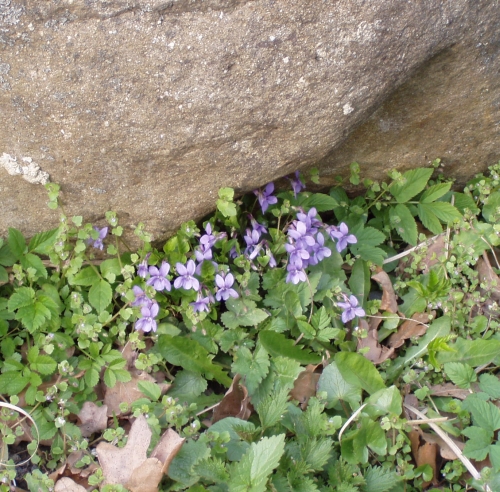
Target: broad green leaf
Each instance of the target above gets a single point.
(100, 295)
(463, 201)
(494, 453)
(490, 384)
(286, 370)
(306, 329)
(251, 473)
(429, 220)
(484, 414)
(188, 383)
(6, 256)
(403, 223)
(109, 378)
(44, 364)
(4, 276)
(12, 383)
(150, 390)
(16, 242)
(236, 447)
(359, 371)
(360, 279)
(242, 312)
(475, 353)
(321, 202)
(43, 242)
(434, 192)
(446, 212)
(320, 319)
(181, 468)
(370, 253)
(87, 276)
(369, 236)
(279, 345)
(477, 446)
(22, 297)
(212, 470)
(254, 367)
(33, 316)
(414, 181)
(271, 408)
(491, 208)
(338, 388)
(110, 267)
(190, 355)
(387, 400)
(380, 479)
(460, 374)
(30, 260)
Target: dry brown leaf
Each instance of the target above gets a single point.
(65, 484)
(424, 453)
(169, 445)
(306, 384)
(119, 463)
(92, 418)
(236, 402)
(389, 299)
(444, 449)
(377, 353)
(128, 392)
(146, 477)
(488, 277)
(410, 328)
(435, 250)
(449, 389)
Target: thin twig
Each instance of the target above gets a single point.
(409, 251)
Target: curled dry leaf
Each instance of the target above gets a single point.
(236, 402)
(92, 418)
(389, 299)
(435, 250)
(491, 282)
(169, 445)
(306, 384)
(65, 484)
(449, 389)
(377, 353)
(424, 453)
(410, 328)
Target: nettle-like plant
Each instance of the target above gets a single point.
(304, 327)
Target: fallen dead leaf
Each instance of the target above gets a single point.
(410, 328)
(65, 484)
(389, 299)
(424, 453)
(92, 418)
(306, 384)
(236, 402)
(444, 449)
(169, 445)
(449, 389)
(377, 353)
(434, 251)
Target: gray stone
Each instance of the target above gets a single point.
(149, 107)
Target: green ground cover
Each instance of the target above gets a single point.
(291, 341)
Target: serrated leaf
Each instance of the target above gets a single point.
(403, 223)
(12, 383)
(359, 371)
(4, 276)
(33, 316)
(181, 468)
(109, 378)
(150, 390)
(251, 473)
(490, 384)
(272, 407)
(253, 367)
(242, 312)
(463, 201)
(380, 479)
(415, 181)
(320, 319)
(279, 345)
(475, 353)
(446, 212)
(460, 374)
(44, 364)
(484, 414)
(190, 355)
(428, 219)
(434, 192)
(100, 295)
(86, 276)
(22, 297)
(370, 236)
(30, 260)
(16, 242)
(370, 253)
(321, 202)
(188, 383)
(337, 388)
(43, 242)
(6, 256)
(479, 441)
(110, 267)
(491, 207)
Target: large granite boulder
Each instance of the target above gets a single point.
(147, 107)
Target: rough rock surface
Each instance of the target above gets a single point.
(147, 107)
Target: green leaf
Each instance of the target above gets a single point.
(369, 236)
(475, 353)
(188, 384)
(43, 242)
(190, 355)
(100, 295)
(242, 312)
(4, 276)
(254, 367)
(110, 269)
(484, 414)
(463, 201)
(16, 242)
(87, 276)
(380, 479)
(359, 371)
(387, 400)
(429, 220)
(181, 468)
(150, 390)
(279, 345)
(44, 364)
(490, 208)
(320, 319)
(321, 202)
(490, 384)
(414, 181)
(30, 260)
(434, 192)
(272, 407)
(22, 297)
(33, 316)
(6, 256)
(360, 279)
(476, 447)
(370, 253)
(12, 383)
(445, 212)
(460, 374)
(251, 473)
(337, 387)
(403, 223)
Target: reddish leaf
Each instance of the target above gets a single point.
(410, 328)
(377, 353)
(236, 402)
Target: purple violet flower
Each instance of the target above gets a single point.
(265, 197)
(142, 269)
(320, 251)
(261, 229)
(201, 304)
(350, 308)
(297, 184)
(295, 275)
(341, 234)
(208, 239)
(141, 299)
(148, 323)
(224, 285)
(158, 278)
(186, 279)
(97, 243)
